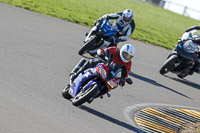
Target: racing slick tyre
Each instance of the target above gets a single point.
(84, 96)
(169, 64)
(87, 46)
(65, 92)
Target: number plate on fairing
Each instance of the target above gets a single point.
(102, 72)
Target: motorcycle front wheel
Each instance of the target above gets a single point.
(87, 46)
(84, 96)
(65, 92)
(169, 64)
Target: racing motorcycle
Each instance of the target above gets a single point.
(100, 37)
(93, 83)
(181, 60)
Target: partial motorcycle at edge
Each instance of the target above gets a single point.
(181, 60)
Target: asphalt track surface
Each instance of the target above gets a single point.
(37, 53)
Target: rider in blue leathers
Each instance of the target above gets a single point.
(124, 22)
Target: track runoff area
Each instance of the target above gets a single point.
(161, 118)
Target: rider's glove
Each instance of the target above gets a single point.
(121, 82)
(100, 20)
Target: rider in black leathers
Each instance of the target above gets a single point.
(196, 40)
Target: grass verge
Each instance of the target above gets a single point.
(153, 24)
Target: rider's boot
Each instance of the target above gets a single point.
(81, 69)
(78, 66)
(108, 94)
(73, 74)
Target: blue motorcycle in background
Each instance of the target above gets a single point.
(181, 60)
(100, 37)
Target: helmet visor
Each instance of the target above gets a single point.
(127, 56)
(127, 19)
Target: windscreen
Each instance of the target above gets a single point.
(190, 47)
(114, 70)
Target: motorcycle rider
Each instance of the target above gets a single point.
(124, 22)
(119, 56)
(197, 41)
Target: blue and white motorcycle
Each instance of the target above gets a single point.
(94, 82)
(181, 60)
(100, 37)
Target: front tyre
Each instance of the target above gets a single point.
(65, 92)
(169, 64)
(87, 46)
(84, 96)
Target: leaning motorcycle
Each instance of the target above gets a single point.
(181, 60)
(100, 37)
(93, 83)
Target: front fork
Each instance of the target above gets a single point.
(172, 53)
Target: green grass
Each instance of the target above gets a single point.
(198, 130)
(153, 24)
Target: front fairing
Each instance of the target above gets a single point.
(182, 53)
(114, 71)
(186, 50)
(113, 83)
(82, 78)
(110, 74)
(190, 47)
(107, 29)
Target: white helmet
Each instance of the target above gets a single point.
(127, 16)
(127, 52)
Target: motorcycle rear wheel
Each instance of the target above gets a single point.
(84, 96)
(168, 64)
(87, 46)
